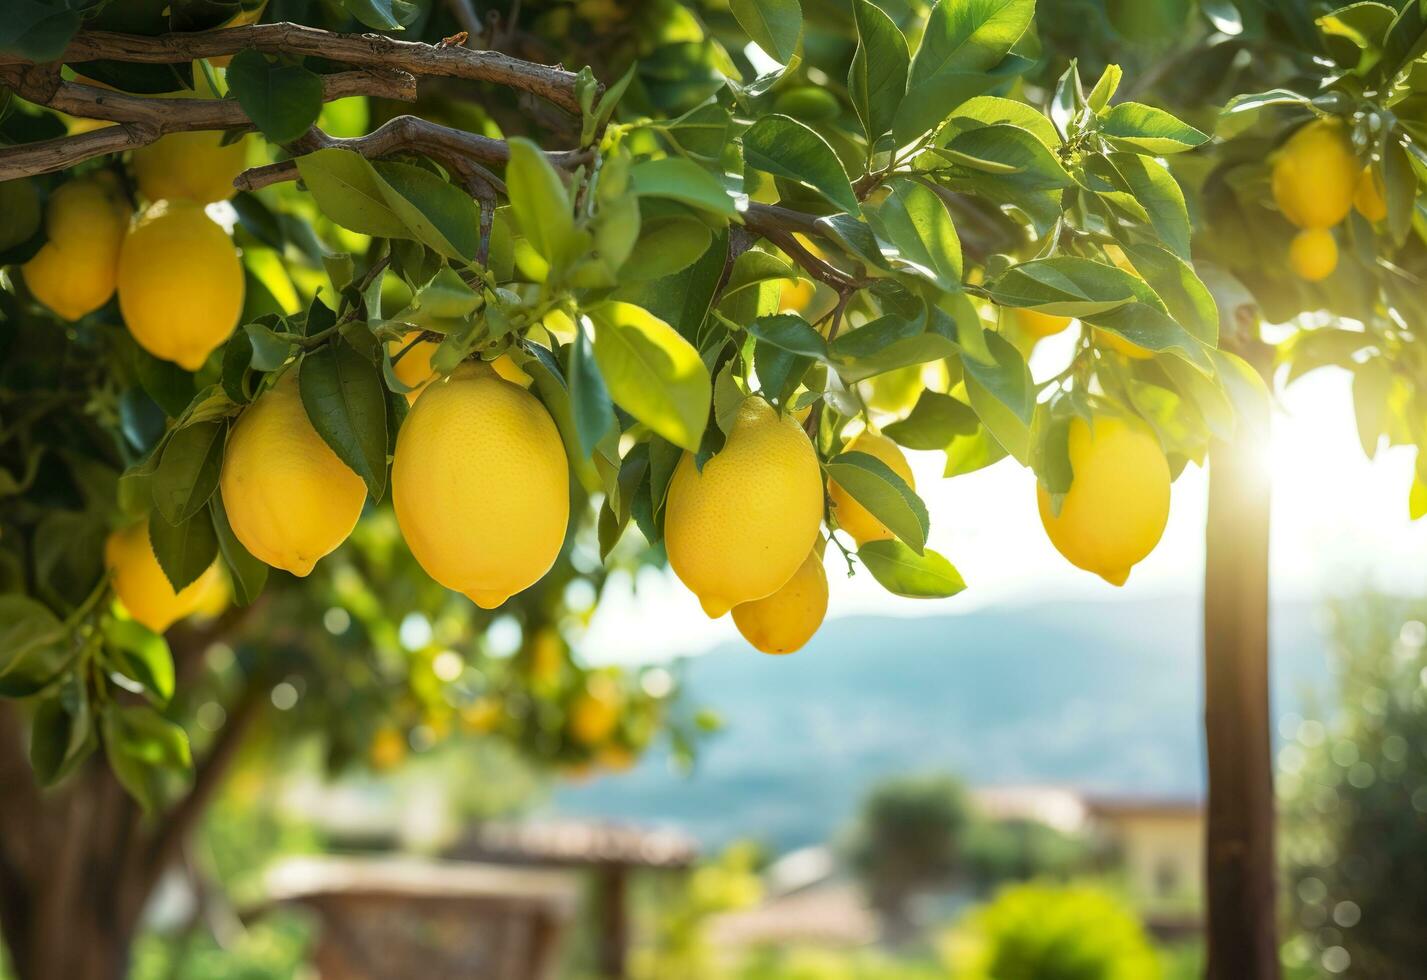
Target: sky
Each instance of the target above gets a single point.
(1339, 521)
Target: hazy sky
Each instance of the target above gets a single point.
(1339, 521)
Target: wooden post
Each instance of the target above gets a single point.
(611, 886)
(1240, 927)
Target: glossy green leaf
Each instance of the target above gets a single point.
(282, 100)
(969, 35)
(681, 180)
(901, 571)
(786, 148)
(247, 574)
(915, 220)
(184, 551)
(540, 203)
(933, 423)
(589, 399)
(188, 471)
(877, 79)
(345, 400)
(1145, 129)
(438, 214)
(652, 372)
(774, 25)
(141, 655)
(884, 494)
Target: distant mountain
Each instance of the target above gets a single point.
(1102, 696)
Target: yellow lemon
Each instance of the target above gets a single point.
(1368, 196)
(483, 715)
(547, 657)
(787, 619)
(1313, 254)
(1118, 502)
(851, 516)
(289, 498)
(180, 284)
(1315, 175)
(414, 368)
(739, 530)
(142, 586)
(388, 748)
(76, 270)
(616, 758)
(796, 295)
(481, 485)
(594, 711)
(1113, 341)
(195, 167)
(1034, 323)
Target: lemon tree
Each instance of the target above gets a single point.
(378, 325)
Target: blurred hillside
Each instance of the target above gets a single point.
(1105, 697)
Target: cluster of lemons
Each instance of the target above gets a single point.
(1316, 181)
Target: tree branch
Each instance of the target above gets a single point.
(143, 120)
(551, 82)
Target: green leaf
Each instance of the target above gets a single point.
(1186, 298)
(969, 35)
(784, 147)
(1159, 194)
(967, 454)
(774, 25)
(269, 351)
(1003, 395)
(345, 400)
(30, 645)
(589, 399)
(188, 472)
(282, 100)
(383, 15)
(1066, 286)
(652, 372)
(1145, 129)
(901, 571)
(143, 748)
(928, 104)
(185, 550)
(683, 299)
(681, 180)
(933, 423)
(540, 203)
(877, 79)
(247, 574)
(1372, 383)
(62, 733)
(885, 495)
(349, 191)
(1104, 89)
(38, 32)
(141, 655)
(790, 332)
(915, 220)
(438, 214)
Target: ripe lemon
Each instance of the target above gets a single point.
(1315, 175)
(1034, 323)
(193, 167)
(1118, 503)
(142, 586)
(414, 368)
(739, 530)
(289, 498)
(180, 284)
(851, 516)
(1313, 254)
(796, 295)
(388, 748)
(1113, 341)
(1368, 195)
(76, 270)
(481, 485)
(787, 619)
(594, 712)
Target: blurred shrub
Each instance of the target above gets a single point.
(998, 851)
(1354, 787)
(1041, 932)
(679, 947)
(831, 964)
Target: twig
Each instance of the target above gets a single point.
(143, 120)
(550, 82)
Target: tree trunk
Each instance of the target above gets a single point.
(1239, 848)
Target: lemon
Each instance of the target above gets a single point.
(1315, 175)
(142, 586)
(851, 516)
(739, 530)
(787, 619)
(616, 758)
(1034, 323)
(796, 295)
(1118, 502)
(483, 715)
(180, 284)
(414, 369)
(481, 485)
(1313, 254)
(1113, 341)
(388, 748)
(1368, 195)
(594, 711)
(195, 167)
(76, 270)
(289, 498)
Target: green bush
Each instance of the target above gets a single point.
(1040, 932)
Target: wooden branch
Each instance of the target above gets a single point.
(551, 82)
(459, 151)
(143, 120)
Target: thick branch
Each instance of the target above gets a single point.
(454, 148)
(144, 120)
(550, 82)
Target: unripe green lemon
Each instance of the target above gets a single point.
(481, 485)
(75, 271)
(1315, 175)
(851, 516)
(289, 499)
(739, 530)
(142, 586)
(1118, 502)
(180, 284)
(787, 619)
